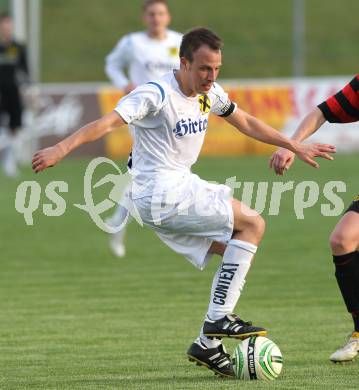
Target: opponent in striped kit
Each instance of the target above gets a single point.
(343, 107)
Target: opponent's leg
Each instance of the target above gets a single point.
(344, 242)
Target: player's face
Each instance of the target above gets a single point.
(6, 28)
(156, 18)
(203, 70)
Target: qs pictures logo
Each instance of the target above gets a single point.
(28, 197)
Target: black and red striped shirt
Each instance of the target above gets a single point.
(343, 107)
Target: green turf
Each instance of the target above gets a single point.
(75, 317)
(77, 34)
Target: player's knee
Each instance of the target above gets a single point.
(257, 226)
(339, 243)
(261, 226)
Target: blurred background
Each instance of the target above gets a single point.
(262, 38)
(281, 58)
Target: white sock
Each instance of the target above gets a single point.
(209, 343)
(120, 215)
(230, 278)
(118, 220)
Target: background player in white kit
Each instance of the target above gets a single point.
(144, 56)
(195, 218)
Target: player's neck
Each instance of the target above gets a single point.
(158, 35)
(185, 89)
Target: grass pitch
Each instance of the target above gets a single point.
(75, 317)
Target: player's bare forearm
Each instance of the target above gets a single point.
(260, 131)
(282, 159)
(91, 132)
(309, 125)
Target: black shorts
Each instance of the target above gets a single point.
(10, 104)
(354, 206)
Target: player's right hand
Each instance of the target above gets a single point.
(46, 158)
(281, 160)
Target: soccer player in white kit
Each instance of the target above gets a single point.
(195, 218)
(145, 55)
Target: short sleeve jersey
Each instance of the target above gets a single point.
(144, 58)
(168, 129)
(343, 107)
(12, 63)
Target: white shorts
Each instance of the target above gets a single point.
(189, 217)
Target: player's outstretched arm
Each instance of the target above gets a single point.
(253, 127)
(282, 159)
(49, 157)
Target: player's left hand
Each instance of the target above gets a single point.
(307, 152)
(46, 158)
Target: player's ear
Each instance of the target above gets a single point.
(184, 63)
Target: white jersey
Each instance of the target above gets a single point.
(168, 130)
(143, 57)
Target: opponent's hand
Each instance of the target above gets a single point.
(307, 152)
(281, 160)
(46, 158)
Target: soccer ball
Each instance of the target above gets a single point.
(257, 358)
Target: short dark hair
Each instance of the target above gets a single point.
(4, 15)
(148, 3)
(197, 37)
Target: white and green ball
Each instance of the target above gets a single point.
(257, 358)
